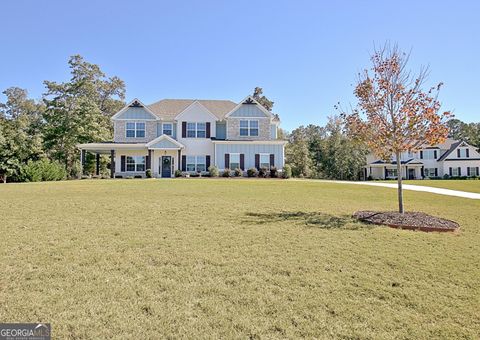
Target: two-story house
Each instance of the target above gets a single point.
(190, 135)
(453, 158)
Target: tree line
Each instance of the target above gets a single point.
(38, 138)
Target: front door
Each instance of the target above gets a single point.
(166, 166)
(411, 173)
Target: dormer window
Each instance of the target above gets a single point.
(135, 130)
(248, 128)
(167, 129)
(463, 153)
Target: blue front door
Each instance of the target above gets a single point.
(166, 166)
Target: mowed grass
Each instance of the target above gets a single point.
(205, 258)
(453, 184)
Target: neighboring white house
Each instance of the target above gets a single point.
(453, 158)
(190, 135)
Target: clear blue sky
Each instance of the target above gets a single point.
(305, 54)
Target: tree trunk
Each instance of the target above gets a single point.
(399, 181)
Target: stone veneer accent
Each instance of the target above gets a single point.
(119, 127)
(233, 129)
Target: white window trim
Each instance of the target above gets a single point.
(428, 174)
(163, 128)
(472, 170)
(260, 160)
(463, 152)
(136, 129)
(196, 130)
(204, 130)
(393, 173)
(230, 160)
(135, 164)
(249, 128)
(195, 157)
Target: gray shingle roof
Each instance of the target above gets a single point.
(168, 109)
(453, 146)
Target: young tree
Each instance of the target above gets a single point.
(394, 114)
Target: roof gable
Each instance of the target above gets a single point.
(195, 108)
(164, 142)
(249, 107)
(135, 110)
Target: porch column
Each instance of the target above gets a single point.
(112, 163)
(179, 165)
(149, 160)
(83, 157)
(97, 169)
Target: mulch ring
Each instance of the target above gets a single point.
(408, 220)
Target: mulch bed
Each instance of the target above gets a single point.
(408, 220)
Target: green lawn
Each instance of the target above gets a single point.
(454, 184)
(199, 258)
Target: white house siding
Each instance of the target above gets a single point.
(196, 113)
(118, 161)
(160, 129)
(378, 172)
(462, 164)
(156, 161)
(249, 150)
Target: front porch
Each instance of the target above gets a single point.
(160, 157)
(389, 171)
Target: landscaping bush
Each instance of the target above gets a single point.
(118, 176)
(252, 172)
(263, 172)
(43, 170)
(287, 171)
(138, 176)
(178, 173)
(213, 170)
(238, 172)
(273, 172)
(226, 173)
(148, 173)
(195, 174)
(446, 176)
